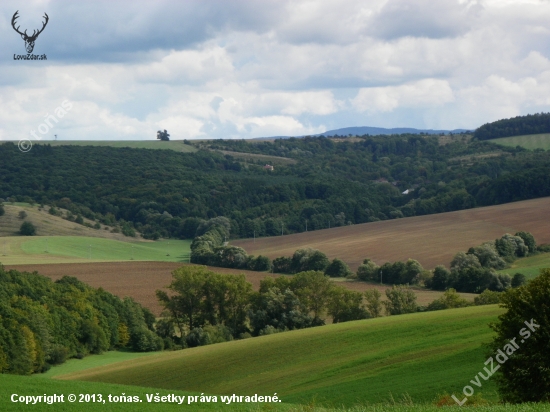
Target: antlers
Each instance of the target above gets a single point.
(34, 33)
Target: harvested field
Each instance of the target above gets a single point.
(432, 240)
(140, 280)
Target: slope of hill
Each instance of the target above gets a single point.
(24, 250)
(422, 354)
(432, 240)
(176, 145)
(516, 126)
(530, 142)
(49, 225)
(26, 385)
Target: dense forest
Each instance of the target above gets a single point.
(43, 323)
(517, 126)
(330, 182)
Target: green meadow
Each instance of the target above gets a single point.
(28, 386)
(530, 266)
(176, 145)
(64, 249)
(530, 142)
(420, 356)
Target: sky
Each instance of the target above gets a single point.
(233, 69)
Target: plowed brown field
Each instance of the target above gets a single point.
(140, 280)
(432, 240)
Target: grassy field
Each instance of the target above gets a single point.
(531, 142)
(91, 361)
(530, 266)
(73, 249)
(432, 240)
(29, 386)
(176, 145)
(49, 225)
(422, 355)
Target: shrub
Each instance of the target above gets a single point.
(400, 300)
(337, 269)
(368, 271)
(374, 304)
(450, 299)
(518, 280)
(27, 229)
(22, 215)
(441, 278)
(487, 297)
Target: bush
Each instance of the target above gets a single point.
(282, 264)
(2, 210)
(307, 259)
(487, 297)
(22, 215)
(347, 305)
(259, 264)
(400, 300)
(449, 300)
(27, 229)
(368, 271)
(441, 278)
(518, 280)
(529, 241)
(337, 269)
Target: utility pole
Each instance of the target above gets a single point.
(329, 224)
(381, 276)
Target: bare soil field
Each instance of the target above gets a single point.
(140, 280)
(432, 240)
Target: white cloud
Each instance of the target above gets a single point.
(424, 93)
(247, 69)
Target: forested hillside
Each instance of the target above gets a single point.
(43, 323)
(331, 182)
(517, 126)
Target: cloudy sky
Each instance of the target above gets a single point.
(251, 68)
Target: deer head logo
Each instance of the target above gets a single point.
(29, 40)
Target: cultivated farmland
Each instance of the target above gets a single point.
(140, 280)
(432, 240)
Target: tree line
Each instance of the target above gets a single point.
(516, 126)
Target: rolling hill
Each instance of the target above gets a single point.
(432, 240)
(422, 355)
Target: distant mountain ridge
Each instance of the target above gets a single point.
(373, 131)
